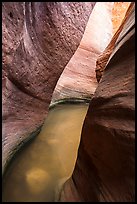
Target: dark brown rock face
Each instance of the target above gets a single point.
(105, 168)
(39, 38)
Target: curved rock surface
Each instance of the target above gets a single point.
(104, 56)
(38, 38)
(38, 41)
(105, 168)
(78, 79)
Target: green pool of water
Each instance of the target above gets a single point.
(39, 170)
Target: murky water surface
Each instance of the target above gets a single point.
(39, 170)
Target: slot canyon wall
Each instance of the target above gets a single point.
(81, 68)
(39, 40)
(105, 167)
(103, 23)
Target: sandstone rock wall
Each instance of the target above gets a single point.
(118, 13)
(38, 41)
(38, 38)
(105, 55)
(78, 80)
(105, 167)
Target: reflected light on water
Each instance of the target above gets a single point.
(38, 171)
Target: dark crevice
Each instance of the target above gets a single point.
(11, 14)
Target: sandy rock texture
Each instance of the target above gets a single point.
(118, 13)
(78, 79)
(105, 55)
(38, 40)
(105, 167)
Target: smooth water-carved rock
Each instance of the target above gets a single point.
(39, 38)
(78, 79)
(105, 167)
(38, 41)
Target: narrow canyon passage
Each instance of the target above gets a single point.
(68, 101)
(40, 168)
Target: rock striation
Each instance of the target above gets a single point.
(38, 40)
(78, 79)
(105, 55)
(105, 167)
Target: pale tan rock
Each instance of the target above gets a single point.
(78, 80)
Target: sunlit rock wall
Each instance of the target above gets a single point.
(78, 80)
(118, 13)
(105, 55)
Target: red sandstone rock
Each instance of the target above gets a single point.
(118, 13)
(105, 167)
(104, 56)
(39, 38)
(32, 65)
